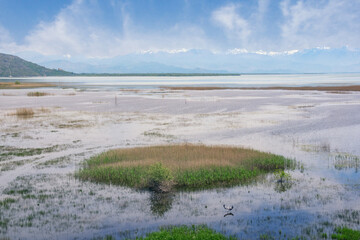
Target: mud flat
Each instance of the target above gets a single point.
(40, 154)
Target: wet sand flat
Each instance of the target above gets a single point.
(40, 154)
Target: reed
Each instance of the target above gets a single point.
(24, 112)
(37, 94)
(180, 166)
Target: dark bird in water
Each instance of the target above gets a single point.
(228, 208)
(228, 214)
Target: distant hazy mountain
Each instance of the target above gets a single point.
(318, 60)
(12, 66)
(119, 65)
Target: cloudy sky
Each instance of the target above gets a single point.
(108, 28)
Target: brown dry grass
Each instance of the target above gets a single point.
(10, 85)
(332, 89)
(180, 157)
(24, 112)
(37, 94)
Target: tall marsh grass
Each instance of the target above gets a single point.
(37, 94)
(24, 112)
(180, 166)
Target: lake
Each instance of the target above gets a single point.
(40, 155)
(252, 80)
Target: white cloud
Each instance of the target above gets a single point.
(74, 32)
(334, 23)
(232, 23)
(246, 28)
(236, 51)
(7, 44)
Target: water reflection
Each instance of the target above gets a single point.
(282, 186)
(160, 203)
(343, 161)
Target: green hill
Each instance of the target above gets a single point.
(12, 66)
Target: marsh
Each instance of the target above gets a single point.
(40, 155)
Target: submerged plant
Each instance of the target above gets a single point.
(282, 176)
(283, 182)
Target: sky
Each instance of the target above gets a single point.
(109, 28)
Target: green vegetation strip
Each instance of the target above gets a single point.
(345, 233)
(162, 168)
(184, 232)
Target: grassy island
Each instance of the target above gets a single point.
(163, 168)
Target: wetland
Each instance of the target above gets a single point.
(66, 130)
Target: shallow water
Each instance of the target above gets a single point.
(151, 82)
(318, 129)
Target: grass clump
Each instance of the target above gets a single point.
(345, 233)
(24, 112)
(37, 94)
(180, 166)
(184, 232)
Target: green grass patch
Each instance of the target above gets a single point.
(345, 233)
(184, 232)
(6, 203)
(180, 166)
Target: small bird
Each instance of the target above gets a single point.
(228, 208)
(229, 214)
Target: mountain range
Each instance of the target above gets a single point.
(317, 60)
(13, 66)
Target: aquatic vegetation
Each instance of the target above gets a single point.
(7, 151)
(282, 176)
(37, 94)
(345, 233)
(180, 166)
(24, 112)
(6, 202)
(184, 232)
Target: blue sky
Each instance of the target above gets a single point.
(109, 28)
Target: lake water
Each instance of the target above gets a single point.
(319, 129)
(253, 80)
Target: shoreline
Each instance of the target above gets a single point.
(340, 88)
(21, 85)
(314, 88)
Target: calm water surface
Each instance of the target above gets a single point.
(319, 130)
(255, 80)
